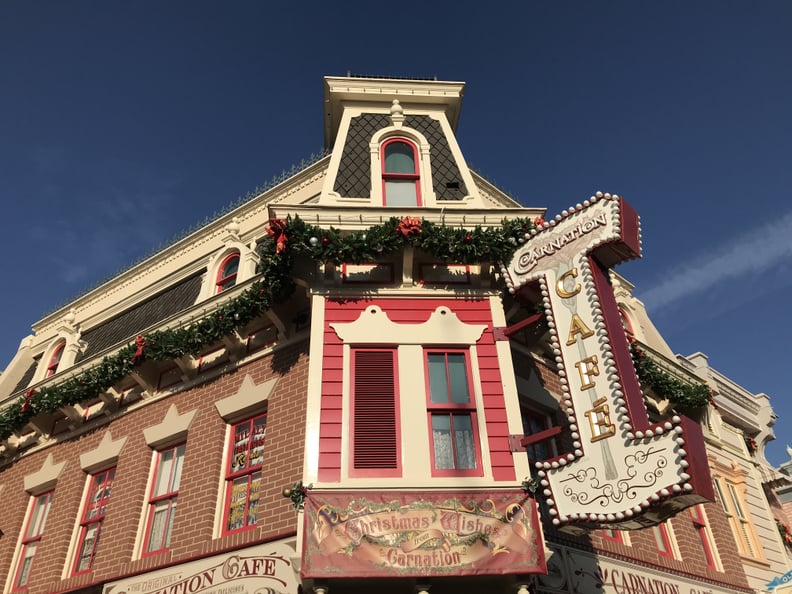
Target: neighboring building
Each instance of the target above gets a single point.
(357, 415)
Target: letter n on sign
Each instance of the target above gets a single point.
(624, 472)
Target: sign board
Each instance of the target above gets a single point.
(624, 472)
(405, 534)
(262, 569)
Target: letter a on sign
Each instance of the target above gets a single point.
(624, 472)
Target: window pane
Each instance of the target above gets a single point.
(736, 501)
(39, 516)
(163, 473)
(231, 267)
(253, 498)
(177, 468)
(158, 527)
(463, 442)
(257, 444)
(400, 193)
(458, 374)
(441, 436)
(88, 546)
(399, 158)
(660, 539)
(237, 503)
(27, 561)
(438, 384)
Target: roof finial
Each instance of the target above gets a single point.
(397, 113)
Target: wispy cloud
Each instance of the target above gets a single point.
(754, 251)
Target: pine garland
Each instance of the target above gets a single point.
(684, 394)
(286, 239)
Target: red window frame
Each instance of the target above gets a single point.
(626, 322)
(663, 541)
(451, 409)
(375, 420)
(92, 520)
(243, 474)
(391, 176)
(34, 529)
(55, 359)
(163, 500)
(226, 280)
(540, 434)
(700, 525)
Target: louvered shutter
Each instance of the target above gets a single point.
(375, 439)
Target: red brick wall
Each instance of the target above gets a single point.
(198, 495)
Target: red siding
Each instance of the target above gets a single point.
(412, 311)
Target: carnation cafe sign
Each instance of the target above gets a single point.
(263, 569)
(624, 471)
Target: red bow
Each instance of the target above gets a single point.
(538, 221)
(140, 343)
(409, 226)
(277, 230)
(28, 398)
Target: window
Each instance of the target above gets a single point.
(700, 525)
(243, 477)
(613, 535)
(452, 415)
(732, 502)
(92, 518)
(31, 538)
(540, 441)
(626, 323)
(400, 178)
(55, 359)
(162, 502)
(663, 540)
(375, 434)
(227, 273)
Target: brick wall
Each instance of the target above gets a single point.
(198, 499)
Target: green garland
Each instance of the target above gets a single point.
(683, 393)
(286, 240)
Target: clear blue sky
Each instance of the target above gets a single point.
(124, 123)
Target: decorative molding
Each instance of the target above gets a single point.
(44, 479)
(103, 455)
(249, 399)
(374, 326)
(171, 430)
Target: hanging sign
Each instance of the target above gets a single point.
(420, 534)
(623, 471)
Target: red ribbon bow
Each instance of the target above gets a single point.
(277, 230)
(28, 398)
(140, 343)
(409, 226)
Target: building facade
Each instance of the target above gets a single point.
(382, 372)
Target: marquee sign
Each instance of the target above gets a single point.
(624, 472)
(261, 569)
(420, 534)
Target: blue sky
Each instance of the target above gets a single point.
(124, 123)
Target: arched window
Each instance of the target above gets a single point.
(227, 272)
(626, 323)
(55, 359)
(400, 177)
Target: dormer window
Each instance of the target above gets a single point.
(227, 273)
(400, 177)
(55, 359)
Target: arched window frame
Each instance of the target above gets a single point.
(55, 359)
(422, 163)
(224, 280)
(387, 176)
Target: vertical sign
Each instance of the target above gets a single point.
(624, 471)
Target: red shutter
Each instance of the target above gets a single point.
(375, 439)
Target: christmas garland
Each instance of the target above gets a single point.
(286, 240)
(683, 393)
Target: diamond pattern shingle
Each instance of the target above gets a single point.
(354, 172)
(142, 316)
